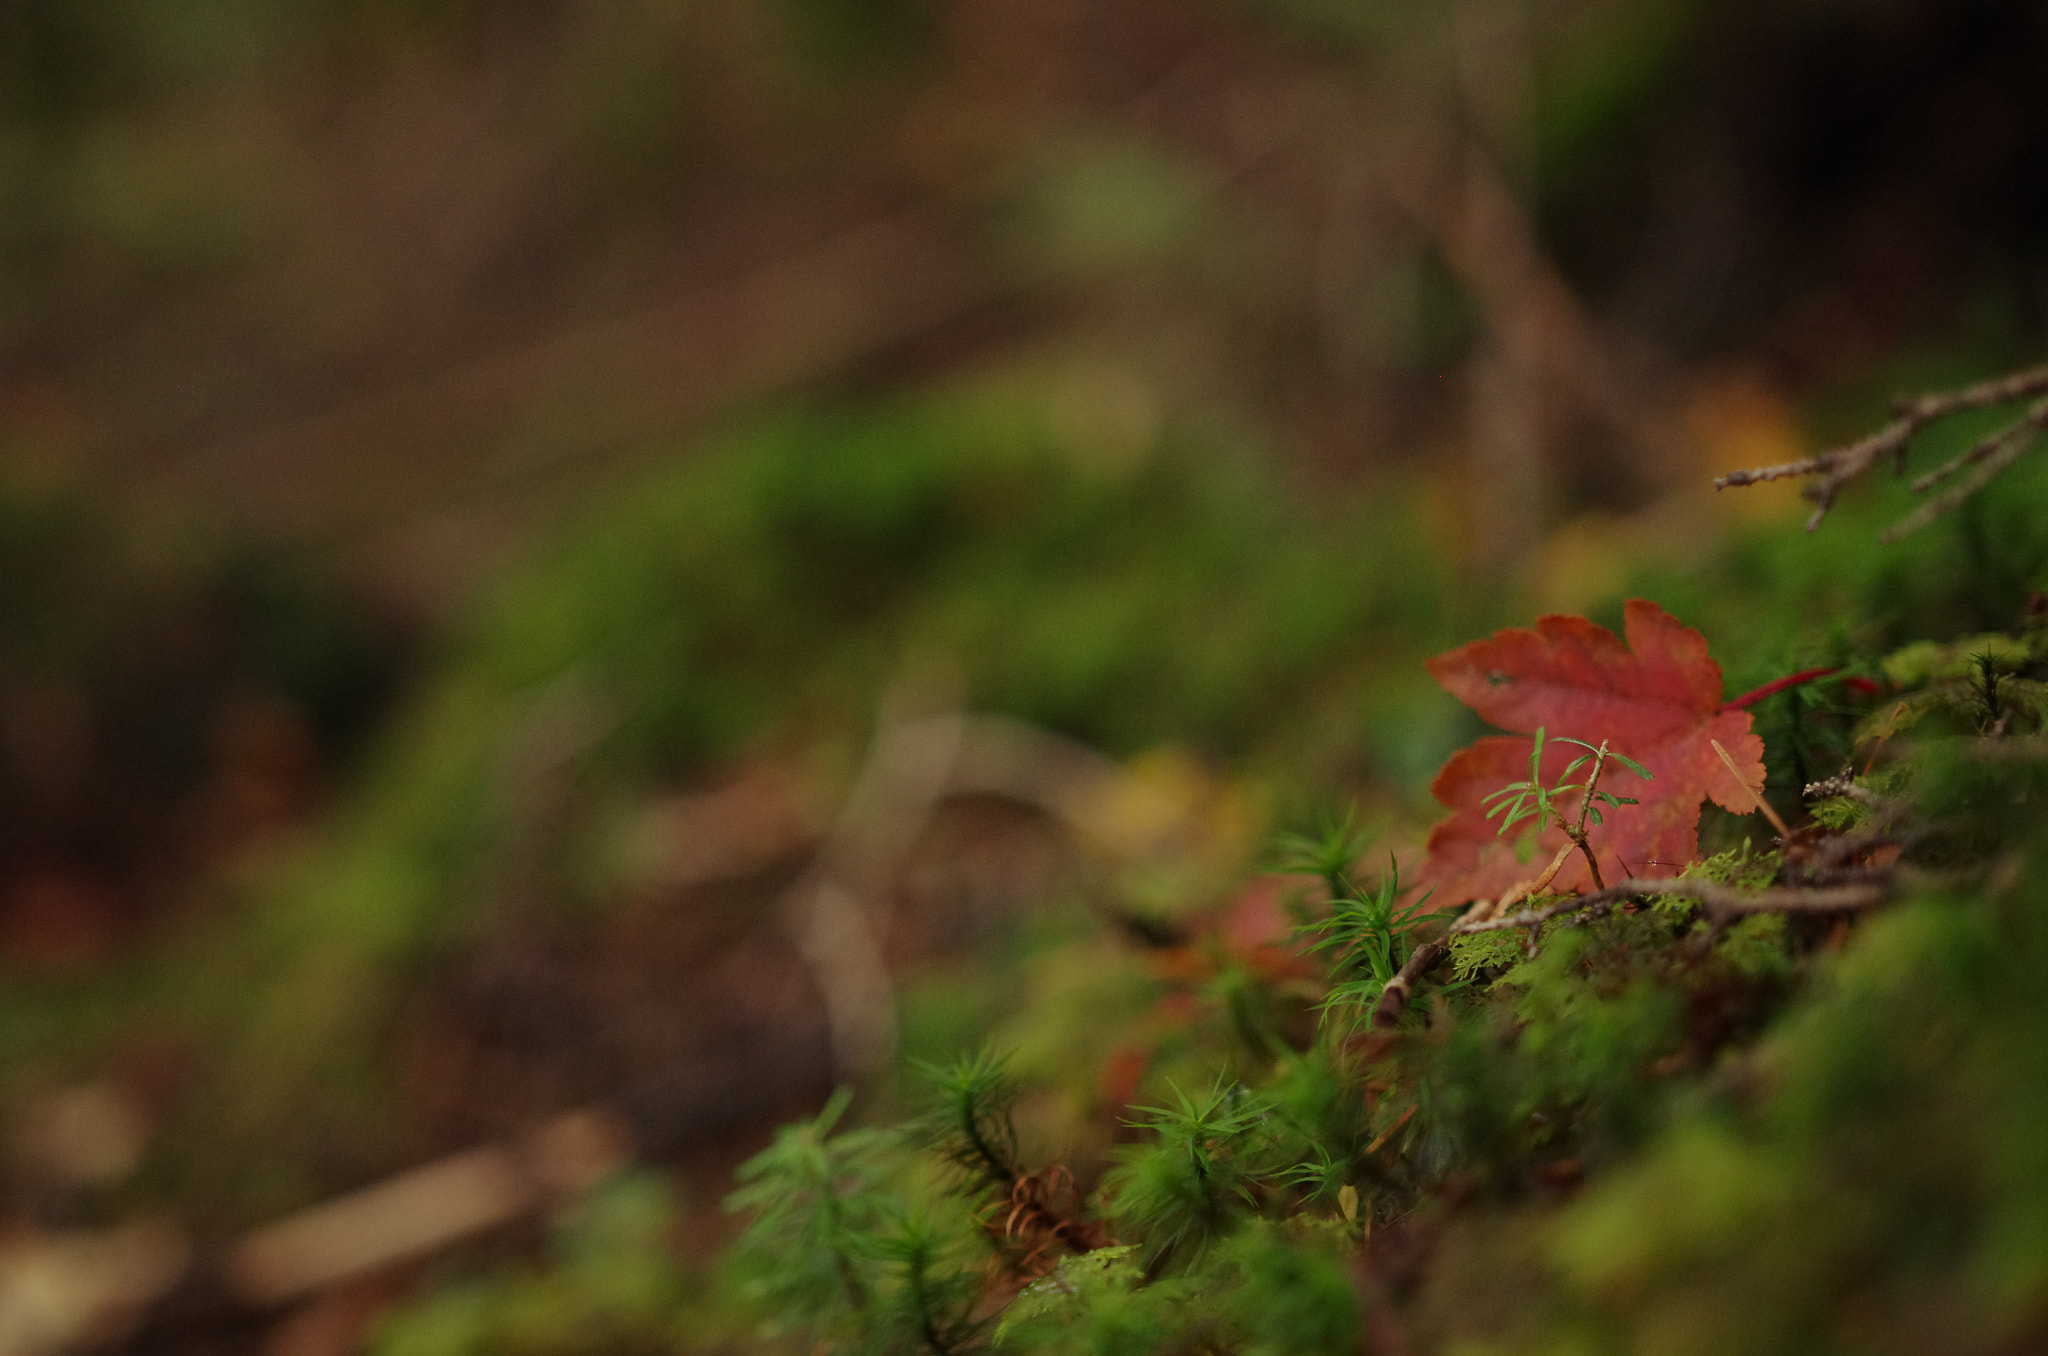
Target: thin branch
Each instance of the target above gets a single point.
(1380, 1141)
(1984, 448)
(1991, 458)
(1721, 902)
(1400, 990)
(1837, 467)
(838, 929)
(1594, 905)
(1841, 850)
(1997, 391)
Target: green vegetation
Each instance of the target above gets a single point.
(1659, 1128)
(588, 581)
(758, 601)
(1790, 1138)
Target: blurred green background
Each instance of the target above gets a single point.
(481, 482)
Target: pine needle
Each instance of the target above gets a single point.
(1777, 821)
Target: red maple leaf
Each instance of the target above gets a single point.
(1656, 699)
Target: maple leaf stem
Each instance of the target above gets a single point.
(1777, 685)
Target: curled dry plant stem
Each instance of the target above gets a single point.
(1036, 1219)
(1983, 460)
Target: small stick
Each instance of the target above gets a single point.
(1400, 990)
(1991, 458)
(2018, 749)
(1985, 447)
(1837, 467)
(1777, 822)
(1721, 902)
(1594, 906)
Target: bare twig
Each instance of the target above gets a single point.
(1592, 906)
(1891, 724)
(1542, 882)
(1721, 902)
(1400, 990)
(1990, 457)
(1840, 851)
(673, 362)
(1838, 467)
(1985, 448)
(1542, 344)
(1777, 685)
(1380, 1141)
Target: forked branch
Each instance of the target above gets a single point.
(1977, 465)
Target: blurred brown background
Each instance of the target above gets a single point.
(394, 278)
